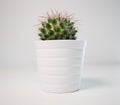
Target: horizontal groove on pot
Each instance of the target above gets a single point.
(59, 70)
(59, 52)
(59, 61)
(60, 80)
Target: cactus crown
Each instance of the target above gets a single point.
(57, 27)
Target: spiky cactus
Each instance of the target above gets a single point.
(57, 27)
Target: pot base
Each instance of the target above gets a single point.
(60, 90)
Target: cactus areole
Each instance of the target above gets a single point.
(57, 27)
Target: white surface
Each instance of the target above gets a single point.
(99, 24)
(100, 86)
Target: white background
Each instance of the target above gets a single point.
(99, 24)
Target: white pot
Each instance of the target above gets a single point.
(60, 63)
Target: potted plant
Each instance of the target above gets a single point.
(60, 56)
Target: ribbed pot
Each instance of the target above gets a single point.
(60, 63)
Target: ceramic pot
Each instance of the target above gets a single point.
(60, 63)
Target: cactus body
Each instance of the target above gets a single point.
(57, 27)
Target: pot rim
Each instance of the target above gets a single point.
(60, 44)
(59, 41)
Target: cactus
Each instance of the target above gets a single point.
(57, 27)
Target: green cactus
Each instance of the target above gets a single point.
(57, 27)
